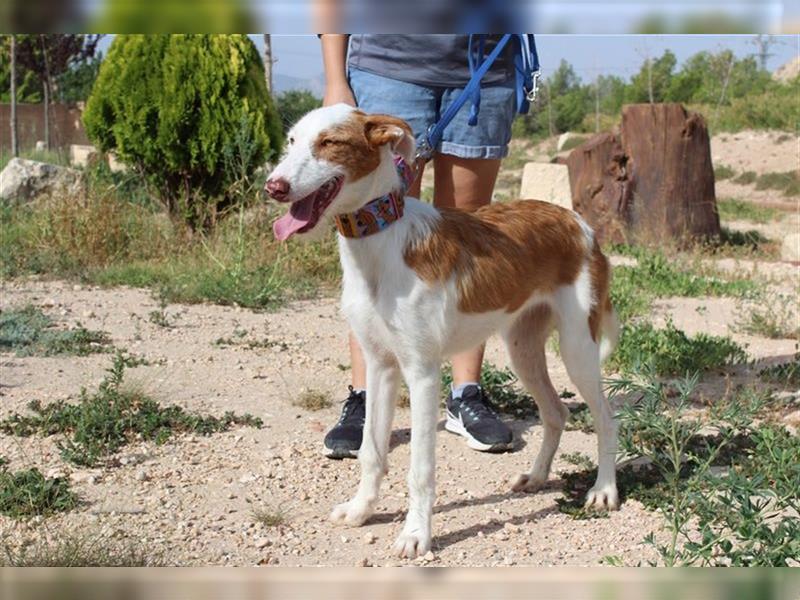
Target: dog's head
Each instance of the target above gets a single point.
(337, 159)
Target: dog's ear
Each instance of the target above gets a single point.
(384, 129)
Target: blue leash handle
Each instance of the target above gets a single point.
(526, 66)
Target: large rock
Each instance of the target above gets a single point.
(546, 181)
(790, 249)
(654, 181)
(115, 164)
(24, 180)
(81, 155)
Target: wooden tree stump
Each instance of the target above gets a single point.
(653, 181)
(601, 191)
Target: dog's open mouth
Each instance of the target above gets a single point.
(304, 214)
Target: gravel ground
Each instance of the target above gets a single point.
(192, 499)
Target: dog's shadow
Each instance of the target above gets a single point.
(487, 528)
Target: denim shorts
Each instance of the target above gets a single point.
(421, 106)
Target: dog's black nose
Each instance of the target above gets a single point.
(278, 188)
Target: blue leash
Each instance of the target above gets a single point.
(526, 66)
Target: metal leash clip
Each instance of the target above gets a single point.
(531, 94)
(425, 150)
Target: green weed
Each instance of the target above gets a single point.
(787, 373)
(103, 422)
(669, 351)
(745, 515)
(29, 493)
(579, 459)
(723, 172)
(72, 549)
(739, 210)
(746, 178)
(788, 182)
(29, 332)
(771, 315)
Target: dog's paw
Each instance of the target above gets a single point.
(603, 497)
(526, 483)
(412, 545)
(352, 513)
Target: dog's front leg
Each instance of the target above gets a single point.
(383, 378)
(424, 385)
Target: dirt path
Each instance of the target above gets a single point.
(192, 498)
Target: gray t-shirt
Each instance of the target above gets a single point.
(437, 60)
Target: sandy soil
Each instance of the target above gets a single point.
(193, 498)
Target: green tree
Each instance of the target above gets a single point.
(293, 104)
(75, 84)
(659, 72)
(570, 99)
(180, 109)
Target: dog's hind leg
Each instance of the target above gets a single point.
(581, 355)
(525, 341)
(383, 378)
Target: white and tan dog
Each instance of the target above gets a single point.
(437, 282)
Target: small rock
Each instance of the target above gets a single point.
(364, 562)
(262, 543)
(369, 538)
(344, 539)
(429, 556)
(142, 475)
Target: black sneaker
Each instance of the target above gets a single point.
(470, 417)
(344, 440)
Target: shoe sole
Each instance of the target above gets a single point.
(338, 454)
(455, 426)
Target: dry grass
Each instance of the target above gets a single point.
(313, 400)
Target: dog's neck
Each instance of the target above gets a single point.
(380, 213)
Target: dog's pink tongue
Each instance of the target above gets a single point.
(299, 216)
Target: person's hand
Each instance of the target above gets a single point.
(339, 92)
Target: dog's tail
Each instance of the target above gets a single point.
(609, 327)
(603, 320)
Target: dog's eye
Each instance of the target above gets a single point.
(291, 141)
(326, 142)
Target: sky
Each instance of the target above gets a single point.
(299, 55)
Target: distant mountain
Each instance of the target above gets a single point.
(283, 83)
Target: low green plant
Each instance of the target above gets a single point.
(670, 351)
(101, 423)
(723, 172)
(785, 373)
(769, 314)
(788, 182)
(580, 419)
(579, 459)
(746, 178)
(635, 287)
(29, 332)
(742, 516)
(80, 549)
(732, 209)
(28, 493)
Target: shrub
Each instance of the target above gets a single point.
(102, 423)
(176, 107)
(293, 104)
(29, 493)
(29, 332)
(670, 351)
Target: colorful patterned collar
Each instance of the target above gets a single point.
(381, 212)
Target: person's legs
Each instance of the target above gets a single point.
(466, 184)
(358, 366)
